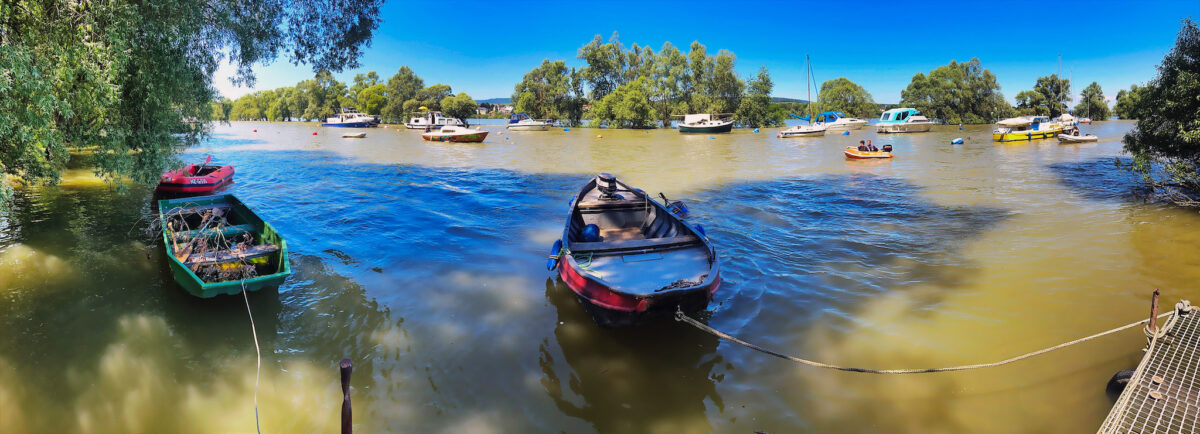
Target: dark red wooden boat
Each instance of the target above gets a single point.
(196, 178)
(629, 258)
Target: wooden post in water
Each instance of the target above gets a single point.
(1154, 312)
(346, 368)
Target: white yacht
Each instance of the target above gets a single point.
(810, 130)
(522, 122)
(838, 121)
(433, 121)
(903, 120)
(351, 118)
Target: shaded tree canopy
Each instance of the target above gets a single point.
(134, 79)
(843, 95)
(1048, 97)
(957, 93)
(1091, 103)
(1165, 143)
(1127, 103)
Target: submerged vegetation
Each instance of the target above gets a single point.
(134, 79)
(1165, 143)
(636, 87)
(957, 93)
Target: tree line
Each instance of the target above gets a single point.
(323, 96)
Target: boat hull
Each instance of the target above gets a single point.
(1026, 135)
(655, 308)
(542, 127)
(456, 138)
(1064, 138)
(785, 133)
(263, 231)
(364, 124)
(895, 128)
(853, 153)
(177, 182)
(706, 129)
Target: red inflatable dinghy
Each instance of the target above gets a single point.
(196, 178)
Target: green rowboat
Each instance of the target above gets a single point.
(214, 234)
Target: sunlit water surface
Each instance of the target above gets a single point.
(424, 264)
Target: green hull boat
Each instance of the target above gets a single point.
(218, 237)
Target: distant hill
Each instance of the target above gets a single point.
(495, 101)
(782, 99)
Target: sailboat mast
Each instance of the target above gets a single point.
(808, 85)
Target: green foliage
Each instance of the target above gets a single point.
(547, 92)
(372, 99)
(1091, 103)
(671, 81)
(957, 93)
(755, 109)
(1048, 97)
(1165, 144)
(134, 79)
(400, 88)
(1128, 103)
(627, 107)
(460, 106)
(605, 69)
(843, 95)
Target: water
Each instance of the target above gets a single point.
(424, 263)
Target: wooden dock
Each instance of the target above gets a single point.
(1163, 396)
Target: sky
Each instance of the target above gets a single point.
(485, 47)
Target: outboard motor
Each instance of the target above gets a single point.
(887, 148)
(608, 187)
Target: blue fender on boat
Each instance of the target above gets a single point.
(700, 229)
(845, 133)
(756, 131)
(554, 251)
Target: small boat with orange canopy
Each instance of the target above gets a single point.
(853, 153)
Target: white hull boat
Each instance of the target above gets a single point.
(903, 120)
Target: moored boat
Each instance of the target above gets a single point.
(350, 118)
(217, 245)
(433, 121)
(522, 122)
(456, 134)
(1077, 138)
(1026, 128)
(853, 153)
(354, 136)
(903, 120)
(196, 178)
(706, 123)
(629, 259)
(810, 130)
(838, 121)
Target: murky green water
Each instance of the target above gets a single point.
(424, 263)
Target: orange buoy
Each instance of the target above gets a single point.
(314, 133)
(256, 131)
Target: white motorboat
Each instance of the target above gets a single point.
(432, 121)
(903, 120)
(523, 122)
(451, 133)
(351, 118)
(810, 130)
(838, 121)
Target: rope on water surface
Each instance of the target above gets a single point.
(680, 316)
(257, 356)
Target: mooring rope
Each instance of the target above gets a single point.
(1122, 403)
(257, 356)
(679, 316)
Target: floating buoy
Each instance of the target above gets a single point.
(647, 132)
(566, 129)
(256, 131)
(845, 133)
(599, 136)
(960, 127)
(957, 141)
(756, 131)
(712, 138)
(314, 133)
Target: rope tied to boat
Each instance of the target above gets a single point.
(257, 356)
(1180, 309)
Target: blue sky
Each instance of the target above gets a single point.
(484, 47)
